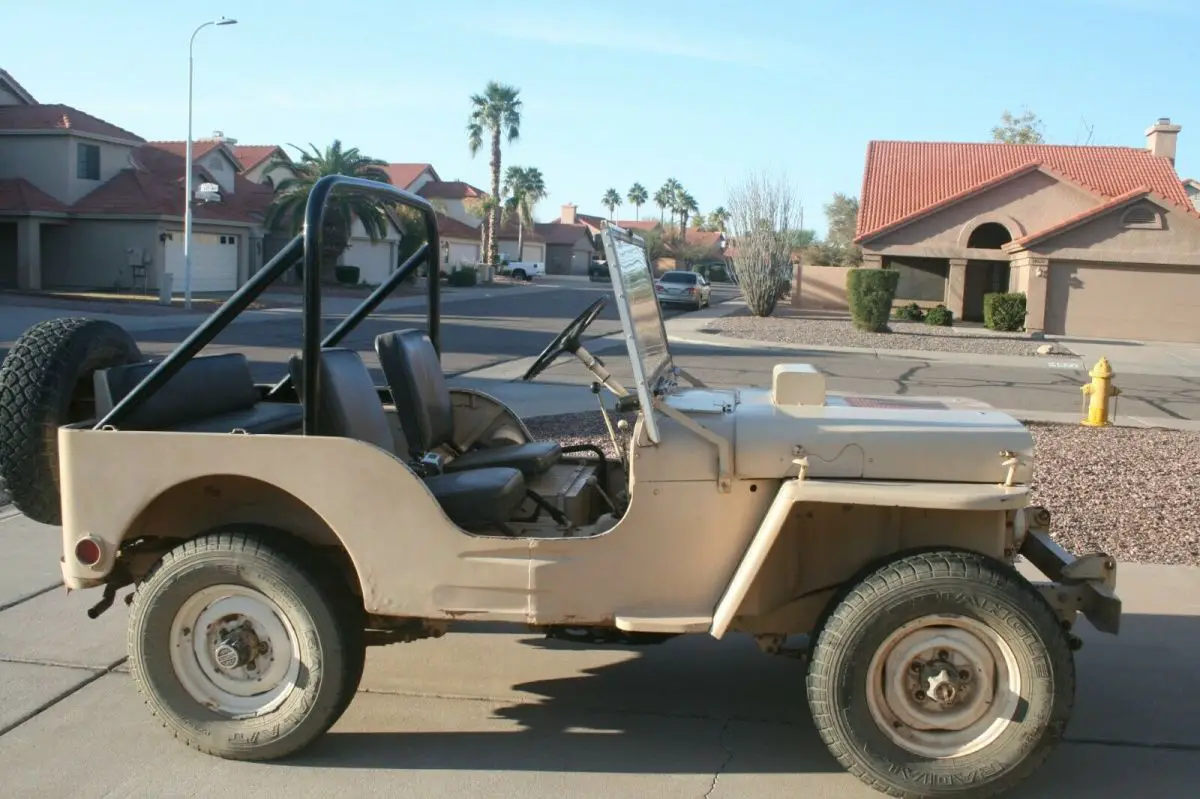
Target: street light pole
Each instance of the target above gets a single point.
(187, 171)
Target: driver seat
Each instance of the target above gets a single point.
(414, 376)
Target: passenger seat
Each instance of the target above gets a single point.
(422, 398)
(351, 408)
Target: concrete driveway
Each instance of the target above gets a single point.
(510, 714)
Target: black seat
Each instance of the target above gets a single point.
(350, 408)
(210, 394)
(414, 375)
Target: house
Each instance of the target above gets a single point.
(1192, 187)
(85, 203)
(1104, 241)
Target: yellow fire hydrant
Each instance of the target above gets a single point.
(1096, 394)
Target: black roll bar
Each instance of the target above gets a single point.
(314, 218)
(305, 246)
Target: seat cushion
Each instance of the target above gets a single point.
(349, 406)
(265, 418)
(207, 386)
(479, 497)
(419, 389)
(532, 459)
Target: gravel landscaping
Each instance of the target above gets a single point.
(1131, 492)
(826, 330)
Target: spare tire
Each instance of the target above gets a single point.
(46, 382)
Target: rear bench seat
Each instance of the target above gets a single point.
(210, 394)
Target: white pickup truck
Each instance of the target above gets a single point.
(523, 270)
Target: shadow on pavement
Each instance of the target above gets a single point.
(624, 718)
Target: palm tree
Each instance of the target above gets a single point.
(291, 198)
(718, 218)
(610, 201)
(496, 112)
(662, 198)
(525, 186)
(482, 207)
(688, 208)
(637, 197)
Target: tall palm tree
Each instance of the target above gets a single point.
(688, 209)
(637, 197)
(482, 207)
(291, 198)
(525, 187)
(496, 112)
(662, 198)
(718, 218)
(610, 201)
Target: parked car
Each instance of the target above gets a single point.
(523, 270)
(598, 271)
(683, 288)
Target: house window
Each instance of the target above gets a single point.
(1142, 216)
(87, 166)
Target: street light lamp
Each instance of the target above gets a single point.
(187, 180)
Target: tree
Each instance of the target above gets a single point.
(291, 199)
(496, 112)
(718, 218)
(763, 212)
(482, 207)
(610, 201)
(666, 198)
(842, 213)
(1023, 129)
(685, 206)
(637, 198)
(525, 187)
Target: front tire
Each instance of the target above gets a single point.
(241, 651)
(942, 674)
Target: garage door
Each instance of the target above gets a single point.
(373, 259)
(463, 254)
(214, 261)
(1151, 303)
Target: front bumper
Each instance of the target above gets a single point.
(1085, 584)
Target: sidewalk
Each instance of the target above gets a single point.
(1126, 357)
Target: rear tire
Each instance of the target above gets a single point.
(519, 275)
(46, 382)
(241, 650)
(942, 674)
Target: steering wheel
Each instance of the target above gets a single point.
(567, 340)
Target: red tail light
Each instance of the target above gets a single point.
(88, 551)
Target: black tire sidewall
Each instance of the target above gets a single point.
(41, 377)
(320, 694)
(1042, 658)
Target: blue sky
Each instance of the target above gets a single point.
(702, 91)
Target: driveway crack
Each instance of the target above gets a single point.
(723, 739)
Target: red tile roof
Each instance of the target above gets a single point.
(403, 175)
(453, 228)
(448, 190)
(251, 155)
(59, 117)
(21, 196)
(156, 189)
(508, 232)
(905, 180)
(200, 147)
(559, 233)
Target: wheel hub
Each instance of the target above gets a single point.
(943, 686)
(235, 651)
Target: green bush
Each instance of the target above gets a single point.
(462, 276)
(1002, 311)
(941, 316)
(347, 275)
(911, 312)
(870, 293)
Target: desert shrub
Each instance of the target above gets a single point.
(347, 275)
(941, 316)
(763, 212)
(1004, 311)
(462, 276)
(870, 293)
(911, 312)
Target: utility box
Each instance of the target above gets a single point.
(164, 288)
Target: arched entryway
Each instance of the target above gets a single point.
(985, 275)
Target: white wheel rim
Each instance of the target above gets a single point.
(964, 696)
(244, 689)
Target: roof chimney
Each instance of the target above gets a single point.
(1161, 138)
(568, 214)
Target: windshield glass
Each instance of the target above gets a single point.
(678, 277)
(641, 316)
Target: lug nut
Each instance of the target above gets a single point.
(964, 675)
(916, 665)
(919, 696)
(943, 654)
